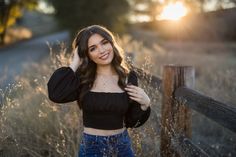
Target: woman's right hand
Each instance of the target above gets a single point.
(76, 60)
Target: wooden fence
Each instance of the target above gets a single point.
(178, 98)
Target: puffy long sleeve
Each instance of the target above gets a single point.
(63, 86)
(135, 116)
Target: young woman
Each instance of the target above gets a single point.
(105, 90)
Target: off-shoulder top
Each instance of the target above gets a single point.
(101, 110)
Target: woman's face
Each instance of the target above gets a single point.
(100, 50)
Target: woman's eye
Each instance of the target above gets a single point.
(92, 49)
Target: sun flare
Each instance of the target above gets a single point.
(173, 11)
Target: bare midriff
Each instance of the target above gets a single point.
(101, 132)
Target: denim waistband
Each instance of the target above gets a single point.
(98, 137)
(113, 145)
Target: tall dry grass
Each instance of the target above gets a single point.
(32, 125)
(215, 74)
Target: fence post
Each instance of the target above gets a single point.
(175, 118)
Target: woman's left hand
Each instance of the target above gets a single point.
(138, 94)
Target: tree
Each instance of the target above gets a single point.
(152, 8)
(10, 11)
(149, 8)
(219, 4)
(76, 14)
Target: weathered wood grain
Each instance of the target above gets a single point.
(175, 118)
(223, 114)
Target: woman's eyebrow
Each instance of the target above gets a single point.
(98, 43)
(103, 40)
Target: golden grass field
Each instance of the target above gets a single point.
(31, 124)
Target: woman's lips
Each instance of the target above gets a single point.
(105, 56)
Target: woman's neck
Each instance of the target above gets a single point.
(106, 70)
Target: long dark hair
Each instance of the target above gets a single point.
(87, 69)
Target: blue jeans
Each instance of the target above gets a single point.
(118, 145)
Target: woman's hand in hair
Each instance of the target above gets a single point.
(76, 60)
(138, 94)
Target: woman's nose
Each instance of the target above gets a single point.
(101, 48)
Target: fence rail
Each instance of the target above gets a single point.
(152, 79)
(222, 113)
(185, 147)
(178, 97)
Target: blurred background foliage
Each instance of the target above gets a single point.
(152, 33)
(77, 14)
(120, 15)
(11, 11)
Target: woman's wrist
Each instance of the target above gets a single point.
(144, 107)
(74, 66)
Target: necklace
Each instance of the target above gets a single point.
(107, 80)
(106, 83)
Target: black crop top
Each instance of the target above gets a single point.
(101, 110)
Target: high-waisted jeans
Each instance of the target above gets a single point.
(118, 145)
